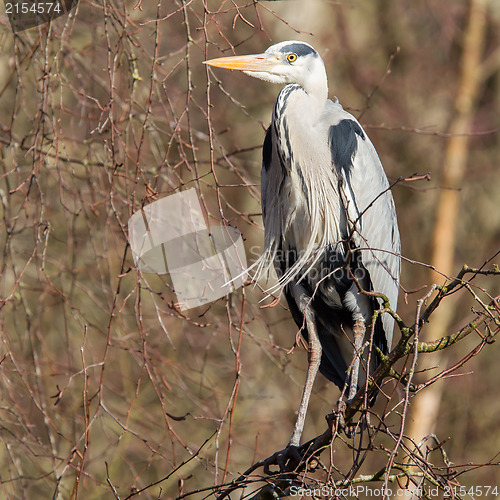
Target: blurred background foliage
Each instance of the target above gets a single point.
(108, 109)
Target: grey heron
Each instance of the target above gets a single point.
(330, 222)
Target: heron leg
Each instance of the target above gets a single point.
(303, 301)
(359, 330)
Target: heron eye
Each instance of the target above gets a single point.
(291, 58)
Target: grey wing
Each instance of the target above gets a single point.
(369, 205)
(273, 174)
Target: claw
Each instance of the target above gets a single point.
(336, 420)
(286, 459)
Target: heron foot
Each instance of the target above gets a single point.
(336, 419)
(286, 459)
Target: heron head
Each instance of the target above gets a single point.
(284, 62)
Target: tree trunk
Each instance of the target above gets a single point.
(425, 407)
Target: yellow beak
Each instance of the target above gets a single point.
(254, 62)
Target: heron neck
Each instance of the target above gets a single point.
(316, 88)
(310, 104)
